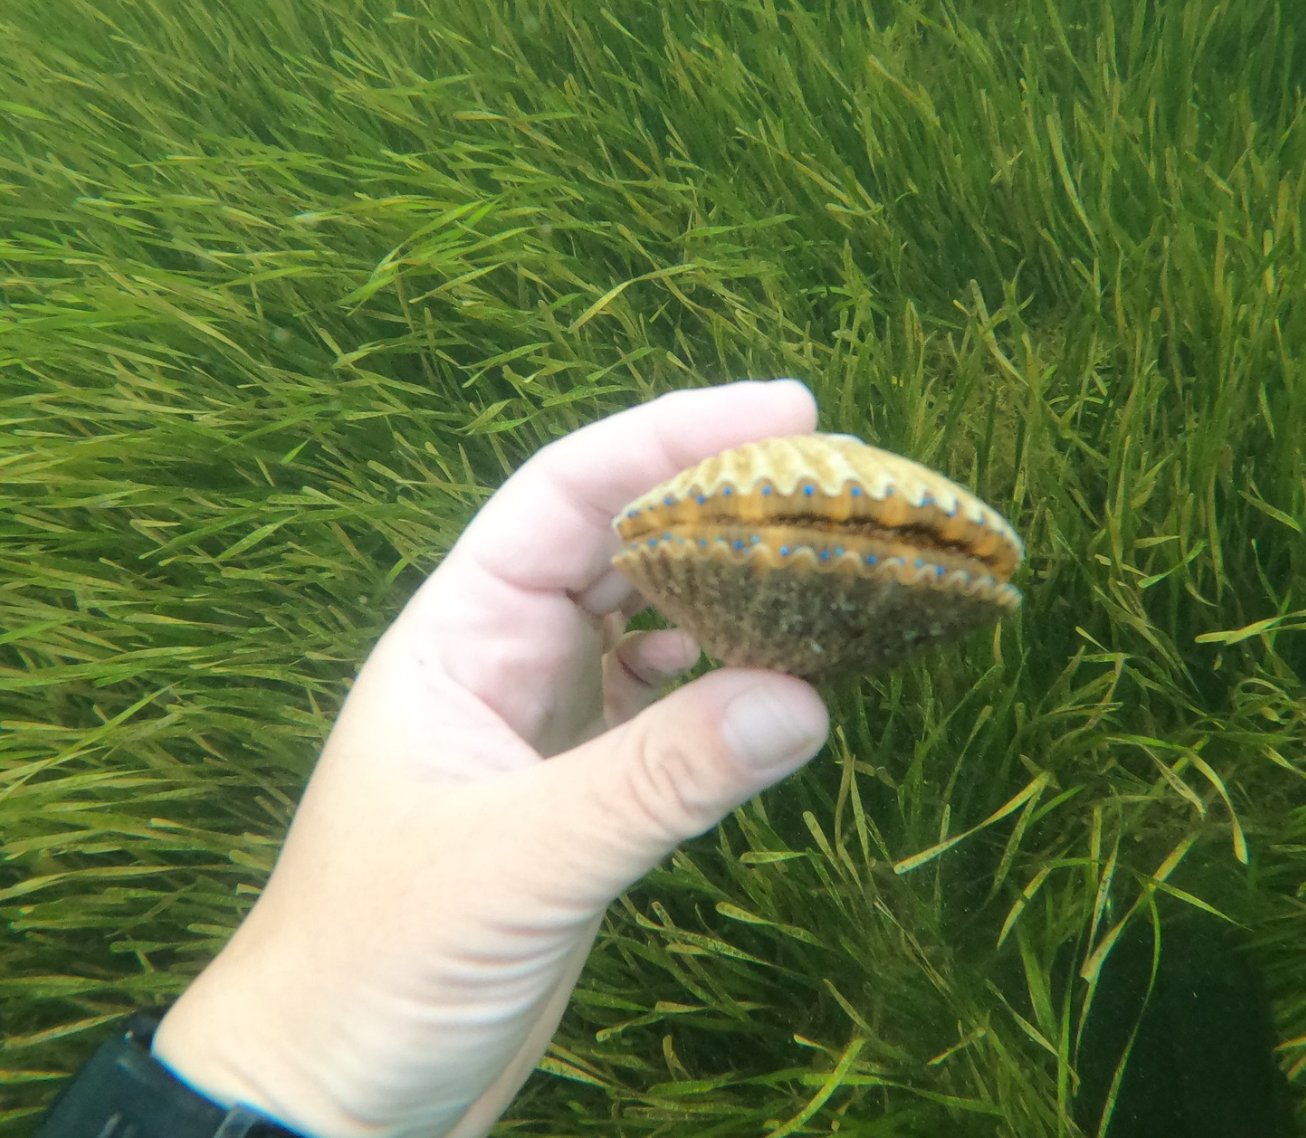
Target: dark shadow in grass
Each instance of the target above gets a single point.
(1203, 1064)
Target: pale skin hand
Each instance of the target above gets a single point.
(499, 773)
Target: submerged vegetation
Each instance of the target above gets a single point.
(287, 288)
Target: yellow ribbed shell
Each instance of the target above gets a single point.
(818, 554)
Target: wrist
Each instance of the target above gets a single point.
(234, 1044)
(124, 1090)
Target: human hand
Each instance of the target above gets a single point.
(501, 770)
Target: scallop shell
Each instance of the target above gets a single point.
(818, 555)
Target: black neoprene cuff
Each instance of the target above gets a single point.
(124, 1092)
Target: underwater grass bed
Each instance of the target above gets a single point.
(287, 289)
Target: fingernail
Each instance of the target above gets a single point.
(682, 653)
(768, 730)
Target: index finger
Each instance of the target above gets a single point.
(549, 527)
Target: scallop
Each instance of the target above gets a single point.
(819, 556)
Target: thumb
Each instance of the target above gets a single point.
(682, 764)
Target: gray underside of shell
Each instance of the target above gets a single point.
(813, 625)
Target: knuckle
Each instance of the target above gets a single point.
(668, 783)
